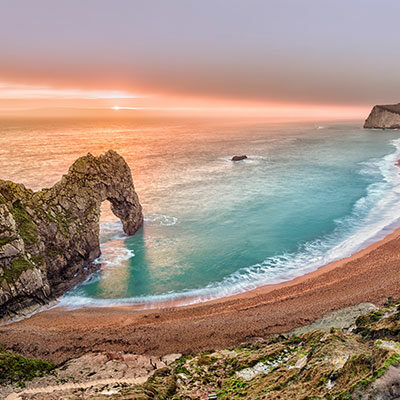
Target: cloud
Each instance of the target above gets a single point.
(306, 51)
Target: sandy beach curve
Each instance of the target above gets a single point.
(371, 275)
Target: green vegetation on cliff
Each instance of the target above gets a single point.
(18, 266)
(334, 364)
(17, 369)
(25, 225)
(49, 238)
(360, 362)
(6, 240)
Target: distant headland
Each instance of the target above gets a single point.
(384, 117)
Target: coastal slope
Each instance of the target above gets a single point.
(49, 238)
(354, 354)
(384, 117)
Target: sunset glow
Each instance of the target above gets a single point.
(20, 91)
(245, 63)
(23, 97)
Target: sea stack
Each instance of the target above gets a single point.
(238, 158)
(50, 238)
(384, 117)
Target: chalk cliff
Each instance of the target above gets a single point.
(384, 117)
(49, 238)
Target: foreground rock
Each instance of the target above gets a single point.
(239, 158)
(48, 239)
(384, 117)
(360, 361)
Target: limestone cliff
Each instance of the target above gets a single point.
(49, 238)
(384, 117)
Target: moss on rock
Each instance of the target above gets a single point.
(18, 266)
(25, 223)
(56, 230)
(16, 369)
(335, 364)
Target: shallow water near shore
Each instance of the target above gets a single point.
(308, 194)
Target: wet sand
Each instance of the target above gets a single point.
(372, 275)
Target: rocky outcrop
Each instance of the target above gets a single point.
(49, 238)
(239, 158)
(345, 358)
(384, 117)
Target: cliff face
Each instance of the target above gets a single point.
(384, 117)
(49, 238)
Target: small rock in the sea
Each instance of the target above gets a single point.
(238, 158)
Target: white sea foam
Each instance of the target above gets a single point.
(160, 220)
(114, 255)
(373, 217)
(111, 230)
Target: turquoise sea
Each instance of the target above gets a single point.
(308, 194)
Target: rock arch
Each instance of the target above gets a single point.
(49, 238)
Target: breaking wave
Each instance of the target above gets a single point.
(160, 220)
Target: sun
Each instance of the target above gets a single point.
(116, 108)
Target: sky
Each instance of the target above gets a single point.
(341, 55)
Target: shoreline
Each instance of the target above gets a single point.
(327, 267)
(191, 301)
(263, 289)
(57, 334)
(220, 291)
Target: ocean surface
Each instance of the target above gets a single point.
(308, 194)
